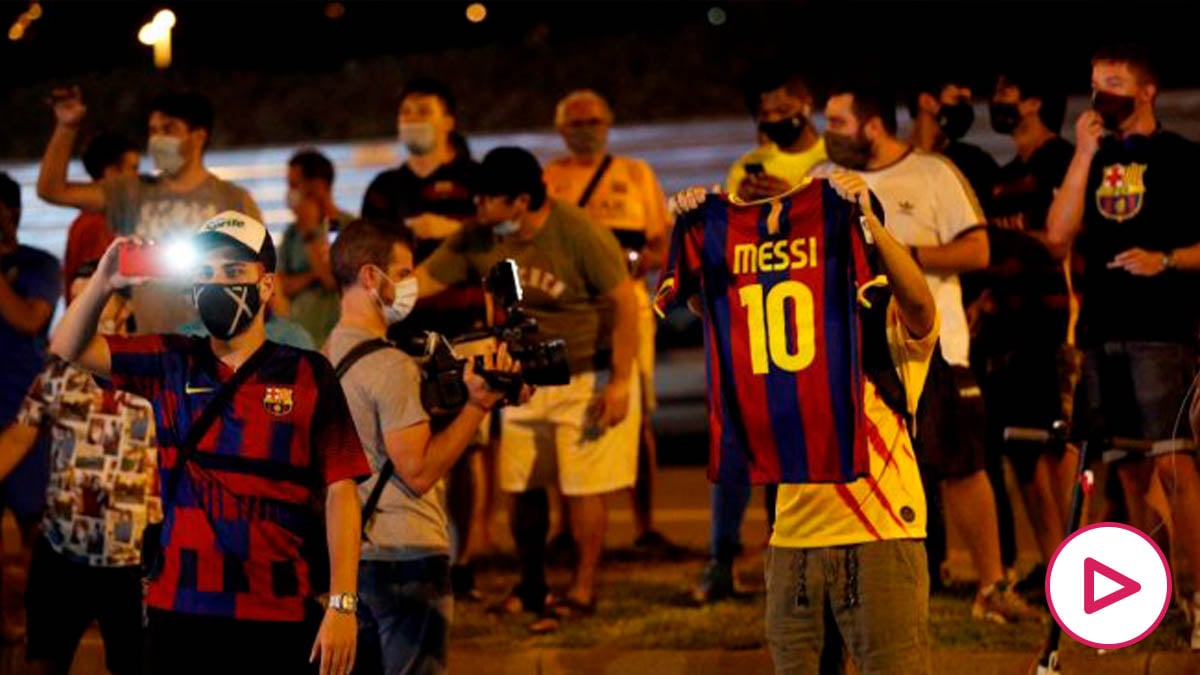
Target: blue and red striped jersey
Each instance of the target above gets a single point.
(243, 535)
(779, 282)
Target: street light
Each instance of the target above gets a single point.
(476, 12)
(23, 22)
(157, 34)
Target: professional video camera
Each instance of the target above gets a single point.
(543, 362)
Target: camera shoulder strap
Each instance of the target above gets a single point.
(595, 181)
(352, 357)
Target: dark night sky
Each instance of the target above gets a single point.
(74, 38)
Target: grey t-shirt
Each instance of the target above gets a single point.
(143, 205)
(567, 270)
(382, 390)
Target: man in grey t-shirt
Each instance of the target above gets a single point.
(172, 203)
(405, 604)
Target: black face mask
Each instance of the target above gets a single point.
(1005, 117)
(956, 120)
(784, 133)
(1114, 109)
(851, 152)
(226, 310)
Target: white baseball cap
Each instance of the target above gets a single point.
(241, 230)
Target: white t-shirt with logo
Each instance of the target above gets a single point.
(927, 202)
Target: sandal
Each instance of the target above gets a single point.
(513, 605)
(547, 622)
(570, 608)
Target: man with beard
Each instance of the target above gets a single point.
(930, 208)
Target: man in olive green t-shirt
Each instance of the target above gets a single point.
(581, 437)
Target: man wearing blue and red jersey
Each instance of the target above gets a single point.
(242, 544)
(796, 344)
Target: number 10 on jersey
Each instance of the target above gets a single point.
(782, 326)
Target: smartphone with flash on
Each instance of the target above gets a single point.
(141, 260)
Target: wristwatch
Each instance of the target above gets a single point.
(1169, 260)
(343, 603)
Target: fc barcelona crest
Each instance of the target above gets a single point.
(278, 401)
(1122, 191)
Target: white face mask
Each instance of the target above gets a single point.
(293, 198)
(418, 137)
(166, 151)
(405, 299)
(506, 227)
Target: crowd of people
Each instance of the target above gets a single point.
(242, 452)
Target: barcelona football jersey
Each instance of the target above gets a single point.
(1139, 193)
(243, 533)
(779, 283)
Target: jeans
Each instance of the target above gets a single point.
(873, 598)
(404, 613)
(190, 644)
(1137, 390)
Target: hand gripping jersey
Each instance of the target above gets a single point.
(779, 281)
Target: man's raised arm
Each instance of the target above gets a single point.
(52, 185)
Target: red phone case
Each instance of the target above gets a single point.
(140, 261)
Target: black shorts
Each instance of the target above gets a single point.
(62, 599)
(187, 644)
(1023, 388)
(951, 424)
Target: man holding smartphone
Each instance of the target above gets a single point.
(790, 145)
(245, 547)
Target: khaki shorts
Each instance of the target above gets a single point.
(549, 441)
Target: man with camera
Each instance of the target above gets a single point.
(404, 578)
(258, 460)
(582, 436)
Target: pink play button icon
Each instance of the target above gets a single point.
(1092, 604)
(1114, 603)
